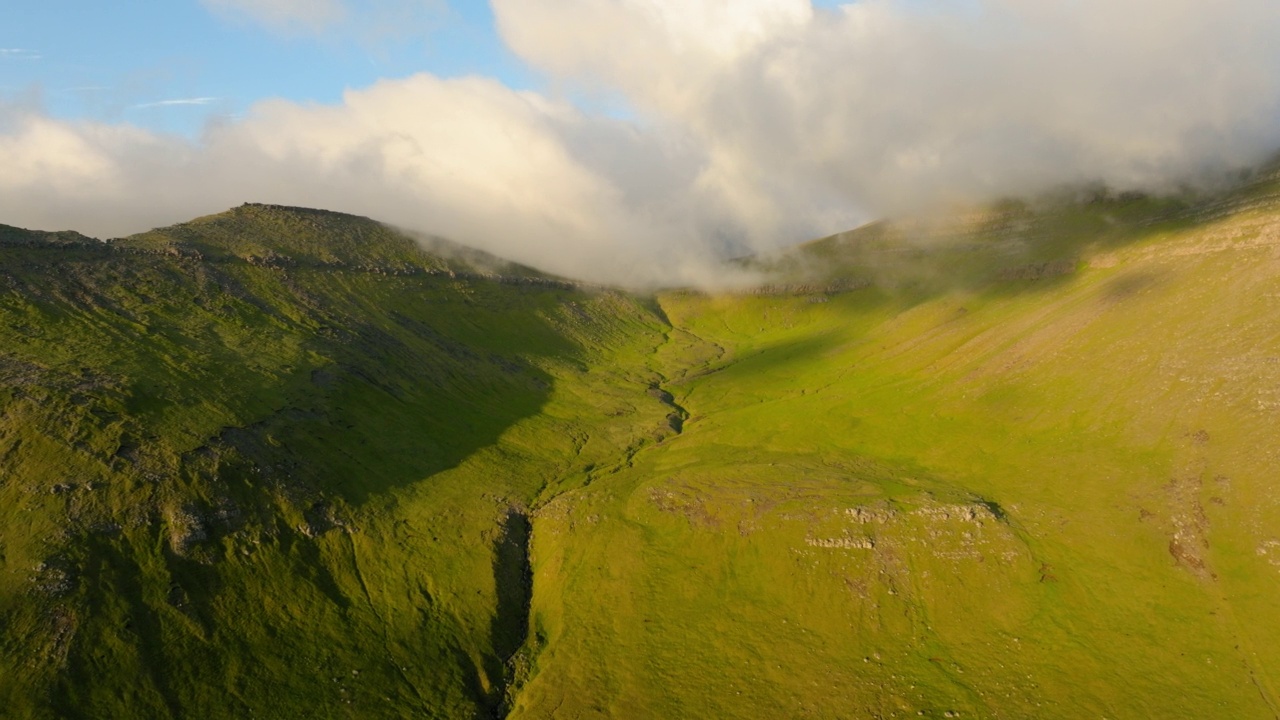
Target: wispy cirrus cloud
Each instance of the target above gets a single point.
(178, 102)
(283, 15)
(371, 21)
(19, 54)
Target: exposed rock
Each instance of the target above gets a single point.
(54, 577)
(186, 527)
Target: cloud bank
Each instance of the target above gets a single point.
(752, 124)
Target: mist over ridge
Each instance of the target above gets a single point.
(748, 126)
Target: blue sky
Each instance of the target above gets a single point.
(169, 64)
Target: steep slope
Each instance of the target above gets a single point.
(279, 462)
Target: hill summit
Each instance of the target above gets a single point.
(293, 236)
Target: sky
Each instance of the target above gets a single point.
(634, 141)
(172, 65)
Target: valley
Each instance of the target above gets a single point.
(1018, 462)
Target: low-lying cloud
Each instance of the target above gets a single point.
(516, 174)
(752, 124)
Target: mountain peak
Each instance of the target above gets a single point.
(296, 236)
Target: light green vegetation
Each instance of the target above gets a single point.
(1015, 464)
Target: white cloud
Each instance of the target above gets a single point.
(759, 122)
(886, 104)
(198, 101)
(511, 172)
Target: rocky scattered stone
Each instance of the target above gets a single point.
(320, 518)
(53, 577)
(109, 528)
(864, 515)
(1189, 542)
(813, 289)
(1039, 271)
(1269, 550)
(186, 527)
(844, 543)
(971, 513)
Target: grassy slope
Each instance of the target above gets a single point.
(1009, 479)
(292, 489)
(1023, 470)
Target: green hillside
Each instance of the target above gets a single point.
(282, 463)
(287, 488)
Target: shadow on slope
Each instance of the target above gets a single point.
(206, 454)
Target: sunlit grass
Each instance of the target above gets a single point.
(279, 463)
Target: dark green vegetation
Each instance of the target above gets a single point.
(282, 463)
